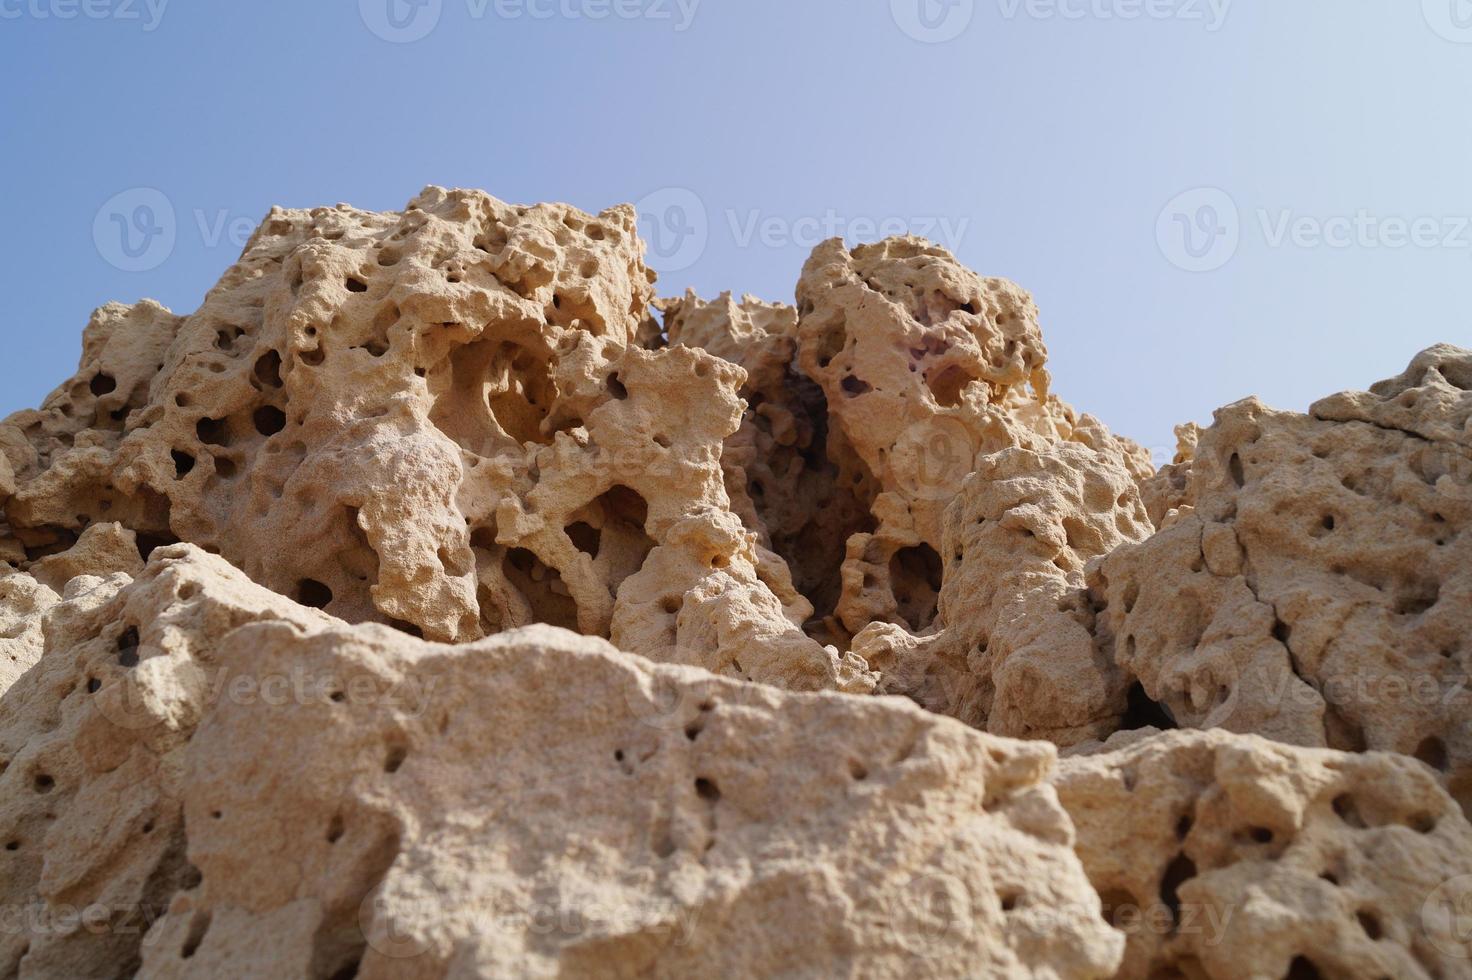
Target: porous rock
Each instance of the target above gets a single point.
(926, 368)
(1015, 652)
(205, 779)
(1228, 857)
(92, 742)
(423, 606)
(450, 414)
(693, 825)
(1318, 590)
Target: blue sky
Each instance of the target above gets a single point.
(1208, 198)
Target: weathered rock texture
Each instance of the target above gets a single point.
(1230, 856)
(426, 605)
(1318, 587)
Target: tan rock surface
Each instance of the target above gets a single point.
(1230, 857)
(1320, 590)
(693, 825)
(1015, 653)
(538, 804)
(92, 743)
(342, 722)
(448, 413)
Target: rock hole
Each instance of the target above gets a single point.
(128, 647)
(1370, 923)
(585, 538)
(269, 420)
(12, 845)
(1422, 822)
(1347, 811)
(356, 285)
(93, 685)
(1177, 873)
(335, 829)
(1432, 751)
(197, 928)
(310, 592)
(707, 790)
(212, 432)
(1141, 712)
(948, 384)
(1118, 907)
(1418, 599)
(1131, 597)
(183, 464)
(1302, 968)
(43, 783)
(853, 386)
(693, 730)
(394, 760)
(268, 369)
(915, 578)
(1234, 466)
(1009, 901)
(1282, 632)
(616, 387)
(348, 971)
(857, 770)
(102, 384)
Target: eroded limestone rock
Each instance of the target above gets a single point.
(462, 421)
(294, 796)
(926, 367)
(692, 825)
(449, 415)
(92, 742)
(1015, 651)
(1319, 592)
(1223, 857)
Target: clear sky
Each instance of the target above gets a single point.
(1208, 198)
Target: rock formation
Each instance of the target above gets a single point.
(437, 600)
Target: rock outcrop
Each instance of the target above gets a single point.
(1231, 856)
(1318, 590)
(437, 601)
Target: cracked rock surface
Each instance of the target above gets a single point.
(439, 601)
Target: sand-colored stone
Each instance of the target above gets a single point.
(230, 784)
(436, 602)
(1319, 591)
(1228, 857)
(926, 367)
(1014, 652)
(92, 743)
(449, 415)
